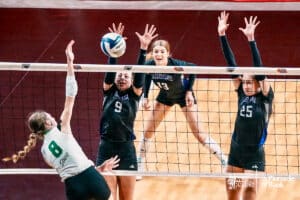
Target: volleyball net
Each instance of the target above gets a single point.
(25, 87)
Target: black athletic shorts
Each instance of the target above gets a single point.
(125, 150)
(247, 157)
(89, 184)
(179, 99)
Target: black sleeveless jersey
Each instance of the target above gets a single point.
(172, 85)
(252, 118)
(118, 114)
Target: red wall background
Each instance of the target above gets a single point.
(40, 35)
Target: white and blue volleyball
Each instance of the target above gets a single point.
(113, 45)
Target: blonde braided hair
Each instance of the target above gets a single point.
(21, 154)
(36, 123)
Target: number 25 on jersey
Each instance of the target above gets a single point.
(246, 111)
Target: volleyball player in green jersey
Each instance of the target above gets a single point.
(62, 152)
(173, 89)
(121, 101)
(255, 97)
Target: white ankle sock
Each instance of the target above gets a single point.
(214, 148)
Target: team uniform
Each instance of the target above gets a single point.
(82, 181)
(250, 132)
(117, 122)
(116, 127)
(173, 87)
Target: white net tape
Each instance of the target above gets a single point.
(259, 175)
(150, 69)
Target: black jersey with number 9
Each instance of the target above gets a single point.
(118, 114)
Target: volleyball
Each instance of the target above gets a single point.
(113, 45)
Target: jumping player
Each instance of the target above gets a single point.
(121, 101)
(61, 150)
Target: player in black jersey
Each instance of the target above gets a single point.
(121, 100)
(173, 89)
(255, 97)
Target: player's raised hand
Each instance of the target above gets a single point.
(250, 26)
(223, 23)
(69, 51)
(120, 29)
(147, 37)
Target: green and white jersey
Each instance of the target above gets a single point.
(63, 153)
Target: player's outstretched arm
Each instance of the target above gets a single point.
(71, 90)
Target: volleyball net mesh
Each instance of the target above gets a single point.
(173, 149)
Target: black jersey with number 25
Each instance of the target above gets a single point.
(252, 118)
